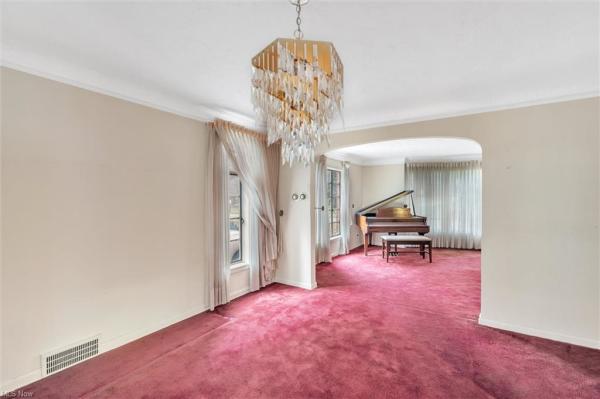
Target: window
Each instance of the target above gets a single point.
(334, 178)
(235, 218)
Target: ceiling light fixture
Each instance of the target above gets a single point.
(297, 89)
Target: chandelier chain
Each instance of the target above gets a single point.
(298, 34)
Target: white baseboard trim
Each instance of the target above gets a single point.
(299, 284)
(239, 293)
(121, 340)
(588, 343)
(21, 381)
(105, 346)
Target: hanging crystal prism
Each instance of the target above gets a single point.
(297, 88)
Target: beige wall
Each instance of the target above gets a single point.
(356, 196)
(380, 182)
(294, 227)
(540, 263)
(102, 205)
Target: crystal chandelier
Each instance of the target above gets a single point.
(296, 90)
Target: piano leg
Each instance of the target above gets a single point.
(422, 249)
(429, 244)
(366, 241)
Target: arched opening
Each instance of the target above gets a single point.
(445, 177)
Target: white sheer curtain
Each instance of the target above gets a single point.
(217, 225)
(323, 253)
(449, 194)
(258, 168)
(345, 212)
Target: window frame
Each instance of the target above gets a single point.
(332, 199)
(241, 219)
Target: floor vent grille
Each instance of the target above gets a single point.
(60, 359)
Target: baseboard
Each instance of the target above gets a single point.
(588, 343)
(129, 337)
(239, 293)
(21, 381)
(349, 251)
(299, 284)
(106, 346)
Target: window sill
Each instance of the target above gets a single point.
(335, 237)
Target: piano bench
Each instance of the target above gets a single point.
(423, 242)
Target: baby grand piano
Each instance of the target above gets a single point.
(375, 218)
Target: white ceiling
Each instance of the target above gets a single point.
(404, 61)
(397, 151)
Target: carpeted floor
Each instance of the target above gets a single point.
(406, 329)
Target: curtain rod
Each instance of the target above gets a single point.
(442, 163)
(239, 128)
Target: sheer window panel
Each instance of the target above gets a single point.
(449, 195)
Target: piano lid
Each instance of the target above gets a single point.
(382, 203)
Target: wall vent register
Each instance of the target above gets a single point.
(60, 359)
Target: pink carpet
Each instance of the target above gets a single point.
(406, 329)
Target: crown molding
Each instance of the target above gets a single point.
(353, 159)
(401, 160)
(162, 105)
(158, 101)
(203, 113)
(470, 111)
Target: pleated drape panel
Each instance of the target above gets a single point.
(217, 226)
(257, 165)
